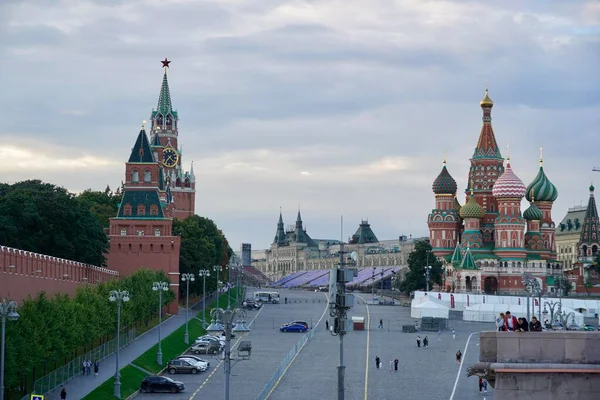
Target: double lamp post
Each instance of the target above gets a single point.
(8, 310)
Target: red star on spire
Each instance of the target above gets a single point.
(165, 63)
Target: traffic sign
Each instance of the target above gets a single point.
(37, 397)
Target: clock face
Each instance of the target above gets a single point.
(170, 157)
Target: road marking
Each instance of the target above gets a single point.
(221, 361)
(367, 325)
(464, 356)
(296, 355)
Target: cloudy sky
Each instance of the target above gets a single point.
(339, 106)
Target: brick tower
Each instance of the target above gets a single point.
(168, 153)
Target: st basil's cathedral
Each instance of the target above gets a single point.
(488, 243)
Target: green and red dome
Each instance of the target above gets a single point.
(472, 209)
(533, 213)
(541, 189)
(444, 183)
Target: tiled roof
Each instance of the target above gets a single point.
(141, 153)
(134, 198)
(508, 185)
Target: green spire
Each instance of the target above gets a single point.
(164, 99)
(457, 255)
(467, 261)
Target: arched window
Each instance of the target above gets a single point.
(147, 175)
(178, 182)
(135, 176)
(127, 209)
(187, 182)
(153, 210)
(141, 209)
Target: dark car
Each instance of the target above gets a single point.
(251, 304)
(152, 384)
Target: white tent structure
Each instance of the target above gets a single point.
(489, 312)
(421, 308)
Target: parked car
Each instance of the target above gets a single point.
(185, 365)
(206, 347)
(152, 384)
(293, 328)
(212, 338)
(588, 327)
(194, 358)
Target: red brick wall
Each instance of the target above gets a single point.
(23, 273)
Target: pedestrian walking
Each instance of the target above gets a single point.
(396, 364)
(327, 324)
(380, 324)
(96, 367)
(425, 342)
(418, 341)
(88, 367)
(458, 356)
(453, 334)
(377, 362)
(480, 385)
(63, 394)
(485, 383)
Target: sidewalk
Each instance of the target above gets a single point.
(82, 385)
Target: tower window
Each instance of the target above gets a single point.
(187, 182)
(141, 209)
(135, 176)
(123, 232)
(127, 209)
(147, 176)
(153, 210)
(140, 233)
(156, 232)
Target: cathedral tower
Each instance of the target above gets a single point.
(545, 195)
(533, 215)
(589, 242)
(509, 190)
(486, 167)
(444, 221)
(168, 153)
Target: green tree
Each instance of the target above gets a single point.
(203, 245)
(46, 219)
(104, 205)
(417, 260)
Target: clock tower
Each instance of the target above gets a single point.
(168, 154)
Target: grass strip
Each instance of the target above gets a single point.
(130, 383)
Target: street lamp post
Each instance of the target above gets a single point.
(427, 269)
(204, 273)
(227, 317)
(218, 269)
(160, 287)
(187, 278)
(119, 296)
(373, 285)
(228, 269)
(552, 305)
(8, 310)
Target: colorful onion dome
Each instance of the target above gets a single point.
(456, 204)
(444, 183)
(471, 209)
(544, 189)
(486, 102)
(533, 213)
(509, 185)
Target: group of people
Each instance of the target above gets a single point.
(86, 367)
(393, 363)
(508, 322)
(425, 342)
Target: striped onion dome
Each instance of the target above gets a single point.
(444, 183)
(533, 213)
(509, 185)
(471, 209)
(542, 187)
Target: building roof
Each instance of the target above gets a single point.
(591, 225)
(364, 234)
(444, 183)
(472, 209)
(165, 106)
(572, 222)
(541, 188)
(508, 185)
(141, 153)
(487, 147)
(134, 198)
(468, 262)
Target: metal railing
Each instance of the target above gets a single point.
(61, 375)
(270, 385)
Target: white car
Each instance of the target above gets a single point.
(201, 365)
(211, 337)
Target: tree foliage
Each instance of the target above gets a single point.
(47, 219)
(203, 246)
(51, 329)
(415, 278)
(104, 205)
